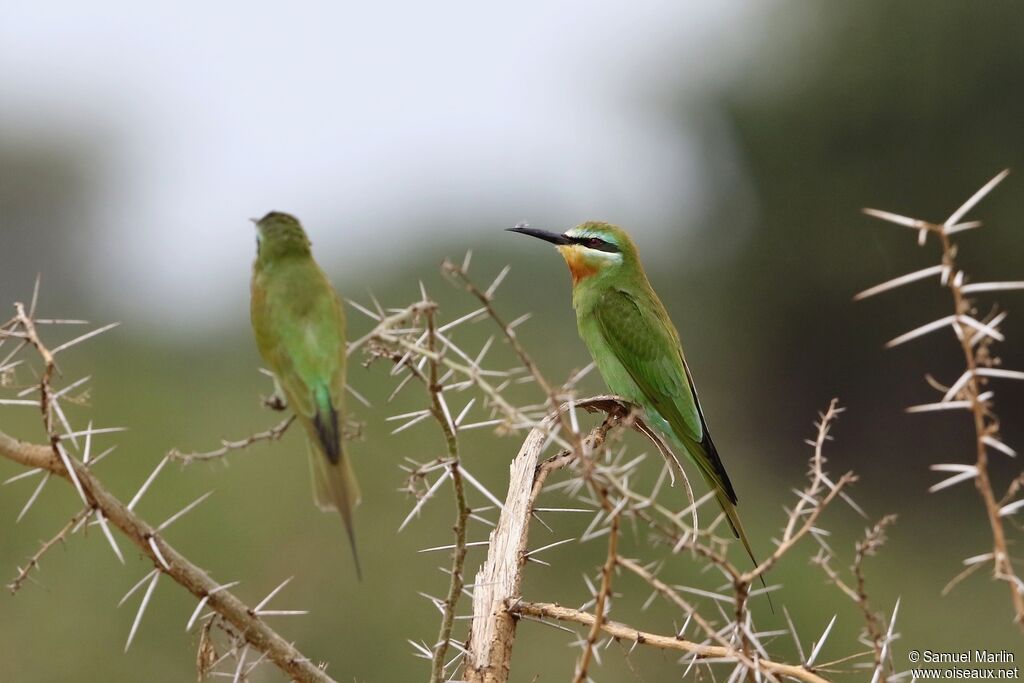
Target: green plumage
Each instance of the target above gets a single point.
(299, 325)
(636, 348)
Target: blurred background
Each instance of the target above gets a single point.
(736, 141)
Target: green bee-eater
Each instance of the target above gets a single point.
(636, 347)
(300, 331)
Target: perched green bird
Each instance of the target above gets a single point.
(300, 331)
(636, 347)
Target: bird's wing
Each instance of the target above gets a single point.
(641, 336)
(303, 339)
(642, 339)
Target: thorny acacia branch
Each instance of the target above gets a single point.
(603, 596)
(272, 434)
(60, 537)
(419, 347)
(874, 625)
(547, 610)
(497, 596)
(443, 417)
(500, 577)
(54, 459)
(975, 338)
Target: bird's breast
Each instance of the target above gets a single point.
(615, 376)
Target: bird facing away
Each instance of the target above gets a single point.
(636, 347)
(300, 332)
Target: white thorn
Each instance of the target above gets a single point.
(35, 296)
(965, 473)
(958, 385)
(978, 559)
(480, 487)
(145, 485)
(982, 327)
(462, 415)
(885, 643)
(410, 423)
(185, 510)
(66, 459)
(497, 282)
(271, 595)
(447, 413)
(355, 394)
(472, 544)
(142, 609)
(241, 663)
(914, 223)
(156, 551)
(137, 586)
(281, 612)
(976, 197)
(999, 372)
(32, 498)
(110, 537)
(549, 546)
(991, 286)
(1011, 508)
(999, 445)
(465, 318)
(202, 603)
(899, 281)
(792, 631)
(820, 643)
(362, 309)
(920, 331)
(24, 475)
(423, 499)
(946, 405)
(960, 227)
(87, 335)
(87, 449)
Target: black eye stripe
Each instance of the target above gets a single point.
(596, 243)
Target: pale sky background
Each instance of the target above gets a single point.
(369, 121)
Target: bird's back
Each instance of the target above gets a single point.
(300, 327)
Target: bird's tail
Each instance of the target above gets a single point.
(705, 456)
(335, 488)
(729, 508)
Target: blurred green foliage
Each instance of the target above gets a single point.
(905, 106)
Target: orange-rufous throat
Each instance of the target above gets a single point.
(581, 265)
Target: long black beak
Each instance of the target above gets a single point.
(552, 237)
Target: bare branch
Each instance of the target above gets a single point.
(623, 632)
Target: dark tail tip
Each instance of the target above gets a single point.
(355, 553)
(327, 429)
(359, 569)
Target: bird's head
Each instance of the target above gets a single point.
(280, 234)
(590, 249)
